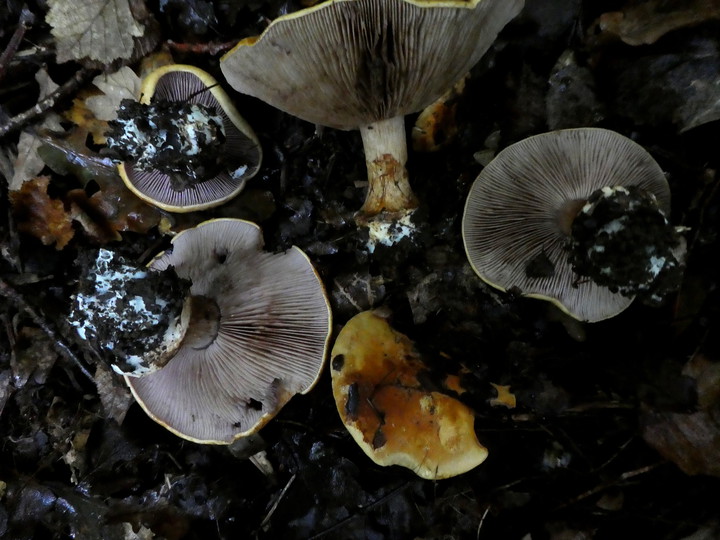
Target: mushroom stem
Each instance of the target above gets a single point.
(385, 156)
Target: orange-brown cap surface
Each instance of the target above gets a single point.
(388, 412)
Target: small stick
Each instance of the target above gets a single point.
(362, 510)
(44, 105)
(11, 294)
(605, 485)
(201, 48)
(25, 22)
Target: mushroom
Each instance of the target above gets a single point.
(375, 381)
(365, 64)
(257, 326)
(184, 146)
(563, 202)
(119, 308)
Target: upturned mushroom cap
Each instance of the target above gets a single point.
(387, 411)
(519, 210)
(241, 151)
(263, 337)
(349, 63)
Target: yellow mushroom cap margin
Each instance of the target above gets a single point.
(520, 206)
(349, 63)
(242, 150)
(388, 413)
(271, 338)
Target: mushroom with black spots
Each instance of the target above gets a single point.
(376, 374)
(544, 217)
(255, 332)
(184, 145)
(365, 64)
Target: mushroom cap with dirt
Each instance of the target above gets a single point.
(257, 334)
(238, 150)
(376, 374)
(520, 211)
(364, 64)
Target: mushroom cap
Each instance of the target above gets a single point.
(348, 63)
(517, 207)
(271, 339)
(387, 411)
(178, 82)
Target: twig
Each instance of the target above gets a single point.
(25, 22)
(44, 105)
(605, 485)
(482, 520)
(60, 346)
(201, 48)
(266, 520)
(362, 511)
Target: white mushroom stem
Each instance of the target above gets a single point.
(385, 155)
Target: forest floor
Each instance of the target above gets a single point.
(616, 429)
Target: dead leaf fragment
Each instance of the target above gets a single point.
(436, 126)
(646, 22)
(122, 84)
(691, 441)
(28, 163)
(39, 215)
(114, 396)
(504, 398)
(101, 30)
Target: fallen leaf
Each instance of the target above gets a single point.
(646, 22)
(122, 84)
(112, 207)
(504, 398)
(80, 115)
(691, 441)
(436, 125)
(39, 215)
(101, 30)
(114, 395)
(28, 164)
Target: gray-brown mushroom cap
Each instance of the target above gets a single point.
(270, 344)
(348, 63)
(520, 205)
(241, 149)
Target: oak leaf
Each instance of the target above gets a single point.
(39, 215)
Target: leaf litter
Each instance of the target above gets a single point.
(610, 421)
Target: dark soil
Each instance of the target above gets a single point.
(616, 432)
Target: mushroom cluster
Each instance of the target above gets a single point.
(577, 217)
(183, 146)
(253, 331)
(365, 64)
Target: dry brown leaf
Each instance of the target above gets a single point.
(112, 207)
(32, 357)
(122, 84)
(114, 395)
(691, 441)
(80, 115)
(27, 164)
(645, 23)
(39, 215)
(101, 30)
